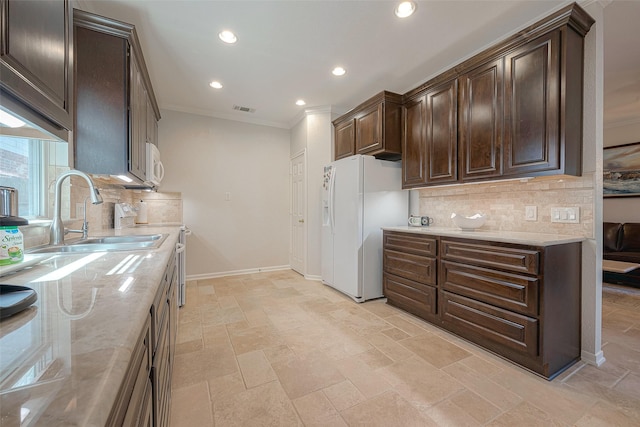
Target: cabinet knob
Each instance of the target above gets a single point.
(301, 220)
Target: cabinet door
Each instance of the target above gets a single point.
(369, 130)
(480, 121)
(532, 102)
(152, 124)
(414, 144)
(102, 103)
(345, 139)
(442, 133)
(36, 57)
(138, 122)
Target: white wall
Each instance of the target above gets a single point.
(592, 163)
(205, 158)
(313, 134)
(622, 209)
(319, 137)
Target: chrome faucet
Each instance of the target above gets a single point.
(56, 235)
(85, 224)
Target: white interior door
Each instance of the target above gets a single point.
(298, 203)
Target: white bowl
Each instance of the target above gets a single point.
(468, 223)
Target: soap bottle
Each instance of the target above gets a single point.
(11, 245)
(141, 217)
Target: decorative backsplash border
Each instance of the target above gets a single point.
(504, 203)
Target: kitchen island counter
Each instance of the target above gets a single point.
(63, 360)
(517, 237)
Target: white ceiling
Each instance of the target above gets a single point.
(287, 49)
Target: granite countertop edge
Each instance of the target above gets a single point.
(517, 237)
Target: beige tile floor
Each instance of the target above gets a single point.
(273, 349)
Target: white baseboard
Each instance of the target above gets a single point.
(237, 272)
(592, 359)
(313, 277)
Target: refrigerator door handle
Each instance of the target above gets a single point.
(332, 205)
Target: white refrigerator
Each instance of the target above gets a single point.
(360, 194)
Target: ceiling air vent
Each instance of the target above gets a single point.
(244, 109)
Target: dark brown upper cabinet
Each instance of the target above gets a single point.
(480, 121)
(414, 144)
(116, 112)
(430, 143)
(543, 106)
(345, 139)
(519, 109)
(441, 133)
(373, 128)
(36, 62)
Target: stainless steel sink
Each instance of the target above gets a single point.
(142, 238)
(106, 244)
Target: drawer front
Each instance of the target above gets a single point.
(417, 298)
(410, 243)
(489, 326)
(507, 290)
(414, 267)
(512, 259)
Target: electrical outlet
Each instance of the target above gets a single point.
(531, 213)
(566, 215)
(227, 196)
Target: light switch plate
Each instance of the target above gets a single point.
(531, 213)
(570, 215)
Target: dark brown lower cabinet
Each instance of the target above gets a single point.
(410, 267)
(144, 399)
(414, 297)
(521, 302)
(164, 313)
(133, 405)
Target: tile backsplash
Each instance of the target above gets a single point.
(163, 208)
(504, 203)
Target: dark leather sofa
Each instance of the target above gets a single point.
(621, 242)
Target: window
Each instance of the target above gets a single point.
(31, 166)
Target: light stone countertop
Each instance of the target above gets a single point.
(62, 360)
(518, 237)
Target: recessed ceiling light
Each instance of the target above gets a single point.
(216, 85)
(339, 71)
(300, 102)
(405, 9)
(227, 37)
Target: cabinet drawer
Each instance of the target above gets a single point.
(507, 290)
(491, 327)
(417, 298)
(520, 260)
(410, 243)
(413, 267)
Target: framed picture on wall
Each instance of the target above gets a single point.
(621, 170)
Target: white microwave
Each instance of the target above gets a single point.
(155, 170)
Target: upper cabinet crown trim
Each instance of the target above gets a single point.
(384, 96)
(572, 15)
